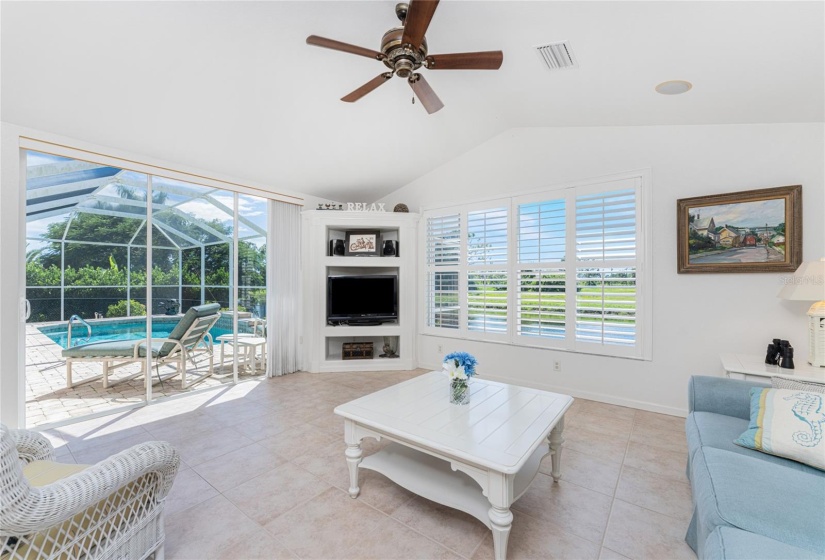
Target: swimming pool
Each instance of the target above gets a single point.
(119, 329)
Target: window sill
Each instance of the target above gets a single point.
(458, 336)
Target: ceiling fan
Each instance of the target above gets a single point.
(404, 50)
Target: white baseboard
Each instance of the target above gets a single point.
(589, 395)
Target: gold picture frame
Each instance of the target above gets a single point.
(747, 231)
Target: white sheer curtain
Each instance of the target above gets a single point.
(283, 280)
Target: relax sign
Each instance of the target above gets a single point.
(364, 207)
(353, 207)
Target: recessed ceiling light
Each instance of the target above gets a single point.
(674, 87)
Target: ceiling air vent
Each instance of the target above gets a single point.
(557, 55)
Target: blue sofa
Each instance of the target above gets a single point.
(747, 505)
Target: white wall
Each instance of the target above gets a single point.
(695, 316)
(12, 247)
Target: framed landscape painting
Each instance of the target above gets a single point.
(747, 231)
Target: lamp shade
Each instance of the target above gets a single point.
(807, 283)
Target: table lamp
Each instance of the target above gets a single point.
(808, 284)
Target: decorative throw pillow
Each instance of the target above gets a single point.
(787, 423)
(785, 383)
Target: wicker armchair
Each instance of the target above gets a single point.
(113, 509)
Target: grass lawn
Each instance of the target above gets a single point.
(621, 303)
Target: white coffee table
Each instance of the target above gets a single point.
(478, 458)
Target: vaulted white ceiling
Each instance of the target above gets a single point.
(232, 87)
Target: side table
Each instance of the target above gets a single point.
(249, 344)
(753, 368)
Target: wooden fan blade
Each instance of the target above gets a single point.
(418, 19)
(345, 47)
(366, 88)
(425, 93)
(487, 60)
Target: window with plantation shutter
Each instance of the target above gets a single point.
(563, 268)
(444, 240)
(541, 276)
(487, 259)
(606, 235)
(443, 259)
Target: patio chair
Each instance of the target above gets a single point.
(190, 336)
(111, 510)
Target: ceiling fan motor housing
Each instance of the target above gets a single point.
(402, 59)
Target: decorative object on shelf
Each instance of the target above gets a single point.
(389, 248)
(747, 231)
(459, 367)
(780, 353)
(808, 284)
(362, 243)
(785, 355)
(334, 206)
(356, 351)
(390, 347)
(337, 248)
(772, 357)
(401, 207)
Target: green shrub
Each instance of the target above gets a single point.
(119, 309)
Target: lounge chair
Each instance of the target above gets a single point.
(189, 336)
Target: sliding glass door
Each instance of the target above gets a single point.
(119, 262)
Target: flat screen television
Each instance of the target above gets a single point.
(362, 300)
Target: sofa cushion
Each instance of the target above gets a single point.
(111, 349)
(727, 543)
(734, 490)
(194, 312)
(42, 473)
(717, 430)
(788, 423)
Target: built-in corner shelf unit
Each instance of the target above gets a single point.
(322, 342)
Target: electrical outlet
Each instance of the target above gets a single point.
(440, 349)
(557, 365)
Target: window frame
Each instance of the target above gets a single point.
(640, 180)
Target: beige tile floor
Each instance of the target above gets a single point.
(264, 476)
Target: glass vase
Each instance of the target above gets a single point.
(459, 392)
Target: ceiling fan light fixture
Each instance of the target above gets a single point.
(674, 87)
(404, 51)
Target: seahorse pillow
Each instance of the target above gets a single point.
(787, 423)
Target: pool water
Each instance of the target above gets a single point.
(104, 331)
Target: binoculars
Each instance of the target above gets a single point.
(780, 353)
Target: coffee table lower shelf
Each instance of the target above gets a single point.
(435, 480)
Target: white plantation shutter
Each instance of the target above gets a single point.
(561, 269)
(606, 305)
(444, 240)
(442, 303)
(487, 237)
(541, 231)
(541, 303)
(443, 260)
(487, 301)
(541, 275)
(606, 226)
(487, 257)
(606, 230)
